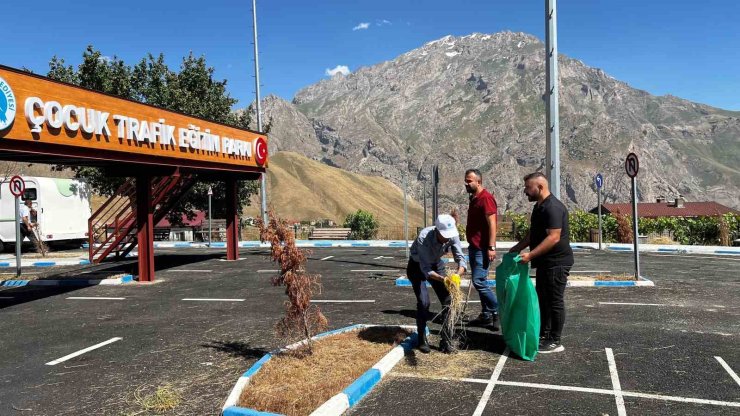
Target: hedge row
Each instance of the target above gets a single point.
(720, 230)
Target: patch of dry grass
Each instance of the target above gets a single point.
(661, 240)
(466, 363)
(164, 399)
(295, 383)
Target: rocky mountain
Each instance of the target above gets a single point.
(476, 101)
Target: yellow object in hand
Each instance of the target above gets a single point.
(455, 279)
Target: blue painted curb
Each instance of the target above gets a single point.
(256, 366)
(362, 386)
(241, 411)
(737, 253)
(66, 282)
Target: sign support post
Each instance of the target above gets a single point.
(599, 183)
(17, 188)
(632, 166)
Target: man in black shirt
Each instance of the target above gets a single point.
(550, 253)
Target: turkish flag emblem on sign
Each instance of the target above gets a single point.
(260, 151)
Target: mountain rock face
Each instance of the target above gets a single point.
(476, 102)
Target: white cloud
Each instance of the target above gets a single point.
(383, 22)
(361, 26)
(339, 69)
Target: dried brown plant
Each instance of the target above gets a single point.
(301, 319)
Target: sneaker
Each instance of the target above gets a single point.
(424, 348)
(488, 322)
(550, 346)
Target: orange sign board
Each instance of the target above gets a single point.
(36, 111)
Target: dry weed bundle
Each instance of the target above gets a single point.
(457, 302)
(301, 318)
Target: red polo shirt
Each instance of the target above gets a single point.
(481, 206)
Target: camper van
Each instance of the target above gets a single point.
(62, 208)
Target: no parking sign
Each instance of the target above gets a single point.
(17, 186)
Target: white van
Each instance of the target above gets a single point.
(62, 209)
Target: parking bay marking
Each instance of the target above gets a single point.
(492, 383)
(212, 300)
(621, 411)
(632, 304)
(80, 352)
(728, 369)
(343, 301)
(188, 270)
(92, 298)
(327, 258)
(580, 390)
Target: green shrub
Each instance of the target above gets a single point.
(363, 225)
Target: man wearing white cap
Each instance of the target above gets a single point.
(426, 265)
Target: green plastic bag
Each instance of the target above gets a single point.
(518, 310)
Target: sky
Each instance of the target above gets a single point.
(689, 49)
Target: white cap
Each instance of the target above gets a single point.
(446, 226)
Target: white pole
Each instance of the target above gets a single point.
(18, 238)
(552, 127)
(263, 178)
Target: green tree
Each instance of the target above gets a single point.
(192, 91)
(363, 225)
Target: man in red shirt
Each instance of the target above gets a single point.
(481, 235)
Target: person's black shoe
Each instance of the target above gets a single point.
(550, 346)
(494, 323)
(423, 345)
(482, 321)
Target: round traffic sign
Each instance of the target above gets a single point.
(632, 165)
(599, 180)
(17, 186)
(260, 151)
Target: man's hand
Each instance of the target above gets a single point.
(460, 271)
(524, 258)
(491, 255)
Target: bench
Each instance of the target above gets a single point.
(330, 234)
(218, 229)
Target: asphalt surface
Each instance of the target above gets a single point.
(200, 348)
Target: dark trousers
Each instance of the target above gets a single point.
(27, 232)
(551, 283)
(418, 282)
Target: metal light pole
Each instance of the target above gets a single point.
(552, 126)
(406, 213)
(210, 217)
(263, 179)
(425, 203)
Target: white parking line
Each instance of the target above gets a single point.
(621, 411)
(80, 352)
(382, 257)
(213, 300)
(729, 370)
(6, 297)
(590, 271)
(492, 383)
(581, 390)
(632, 304)
(343, 301)
(374, 270)
(188, 270)
(327, 258)
(267, 271)
(92, 298)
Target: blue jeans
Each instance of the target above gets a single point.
(479, 263)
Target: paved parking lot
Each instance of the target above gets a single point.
(668, 349)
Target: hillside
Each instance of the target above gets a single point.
(301, 189)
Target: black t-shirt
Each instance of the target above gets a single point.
(551, 214)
